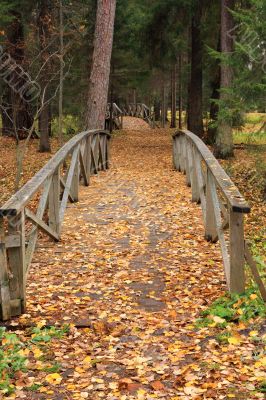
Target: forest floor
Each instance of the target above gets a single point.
(117, 304)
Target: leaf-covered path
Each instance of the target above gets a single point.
(131, 275)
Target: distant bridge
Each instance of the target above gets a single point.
(115, 114)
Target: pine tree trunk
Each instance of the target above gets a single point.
(214, 107)
(18, 113)
(157, 108)
(180, 92)
(224, 138)
(173, 97)
(101, 61)
(44, 22)
(195, 121)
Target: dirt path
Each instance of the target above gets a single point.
(134, 271)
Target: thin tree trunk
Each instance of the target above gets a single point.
(173, 97)
(157, 108)
(16, 106)
(44, 22)
(163, 106)
(61, 83)
(224, 138)
(195, 121)
(101, 61)
(180, 90)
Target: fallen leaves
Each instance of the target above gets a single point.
(131, 276)
(54, 379)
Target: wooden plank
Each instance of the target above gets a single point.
(63, 185)
(74, 188)
(255, 272)
(210, 226)
(201, 184)
(33, 236)
(70, 175)
(17, 262)
(232, 194)
(188, 164)
(17, 202)
(12, 241)
(220, 232)
(54, 201)
(237, 253)
(194, 177)
(41, 225)
(4, 278)
(83, 169)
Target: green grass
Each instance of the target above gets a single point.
(234, 308)
(12, 358)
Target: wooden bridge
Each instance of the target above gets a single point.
(122, 205)
(115, 114)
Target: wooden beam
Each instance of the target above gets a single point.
(4, 278)
(237, 253)
(42, 225)
(255, 272)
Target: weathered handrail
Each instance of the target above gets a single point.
(59, 182)
(222, 205)
(140, 110)
(114, 115)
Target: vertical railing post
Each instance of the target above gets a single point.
(54, 201)
(4, 278)
(188, 163)
(75, 181)
(17, 264)
(175, 153)
(194, 177)
(237, 252)
(210, 225)
(107, 155)
(88, 157)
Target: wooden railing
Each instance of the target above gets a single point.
(140, 110)
(114, 116)
(223, 207)
(20, 220)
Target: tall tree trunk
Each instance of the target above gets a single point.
(224, 138)
(61, 83)
(163, 110)
(180, 91)
(18, 112)
(173, 97)
(157, 108)
(101, 61)
(45, 26)
(195, 121)
(214, 107)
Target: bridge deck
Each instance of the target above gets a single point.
(134, 267)
(134, 243)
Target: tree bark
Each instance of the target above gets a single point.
(224, 138)
(195, 121)
(17, 113)
(101, 61)
(214, 107)
(44, 22)
(173, 97)
(180, 92)
(157, 109)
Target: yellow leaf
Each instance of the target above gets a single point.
(234, 340)
(253, 333)
(54, 379)
(240, 311)
(253, 296)
(41, 323)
